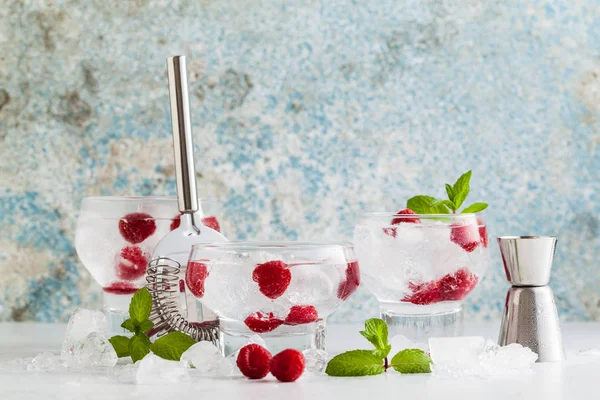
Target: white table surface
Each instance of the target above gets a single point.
(576, 378)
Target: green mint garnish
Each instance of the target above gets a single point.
(376, 332)
(411, 361)
(457, 195)
(121, 345)
(375, 362)
(170, 347)
(355, 363)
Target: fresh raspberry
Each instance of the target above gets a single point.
(458, 285)
(261, 323)
(253, 361)
(120, 288)
(299, 315)
(195, 275)
(466, 236)
(482, 232)
(273, 278)
(211, 222)
(348, 286)
(423, 293)
(137, 227)
(132, 263)
(406, 211)
(288, 365)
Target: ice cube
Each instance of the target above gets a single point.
(83, 322)
(312, 284)
(316, 360)
(93, 351)
(400, 343)
(46, 362)
(456, 352)
(514, 357)
(125, 372)
(155, 370)
(207, 360)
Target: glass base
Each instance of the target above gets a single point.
(420, 327)
(234, 334)
(116, 308)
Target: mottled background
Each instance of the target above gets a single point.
(305, 113)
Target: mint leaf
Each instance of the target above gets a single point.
(411, 361)
(130, 325)
(121, 345)
(145, 326)
(475, 207)
(461, 188)
(172, 345)
(140, 306)
(450, 192)
(446, 203)
(355, 363)
(422, 205)
(139, 346)
(376, 332)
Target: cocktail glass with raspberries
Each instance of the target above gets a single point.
(115, 237)
(282, 291)
(421, 268)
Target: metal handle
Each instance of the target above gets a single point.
(183, 147)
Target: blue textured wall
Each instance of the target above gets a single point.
(305, 114)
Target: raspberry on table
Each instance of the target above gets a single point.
(137, 227)
(273, 278)
(253, 361)
(195, 275)
(261, 323)
(466, 236)
(352, 281)
(299, 315)
(121, 288)
(132, 263)
(288, 365)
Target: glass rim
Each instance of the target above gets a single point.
(140, 198)
(386, 214)
(243, 245)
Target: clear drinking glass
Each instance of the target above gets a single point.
(421, 268)
(282, 291)
(115, 237)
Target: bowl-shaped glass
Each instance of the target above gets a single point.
(282, 291)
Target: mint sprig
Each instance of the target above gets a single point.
(457, 194)
(170, 346)
(375, 362)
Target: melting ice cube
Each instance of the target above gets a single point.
(316, 360)
(207, 360)
(155, 370)
(86, 342)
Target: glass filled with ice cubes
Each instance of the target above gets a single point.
(115, 238)
(281, 291)
(421, 268)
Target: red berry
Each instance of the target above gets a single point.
(390, 231)
(261, 323)
(482, 232)
(120, 288)
(253, 361)
(132, 264)
(348, 286)
(466, 236)
(273, 278)
(211, 222)
(406, 211)
(458, 285)
(423, 293)
(195, 275)
(137, 227)
(301, 315)
(288, 365)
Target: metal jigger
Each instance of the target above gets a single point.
(530, 317)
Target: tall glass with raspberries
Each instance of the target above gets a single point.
(281, 291)
(421, 268)
(115, 237)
